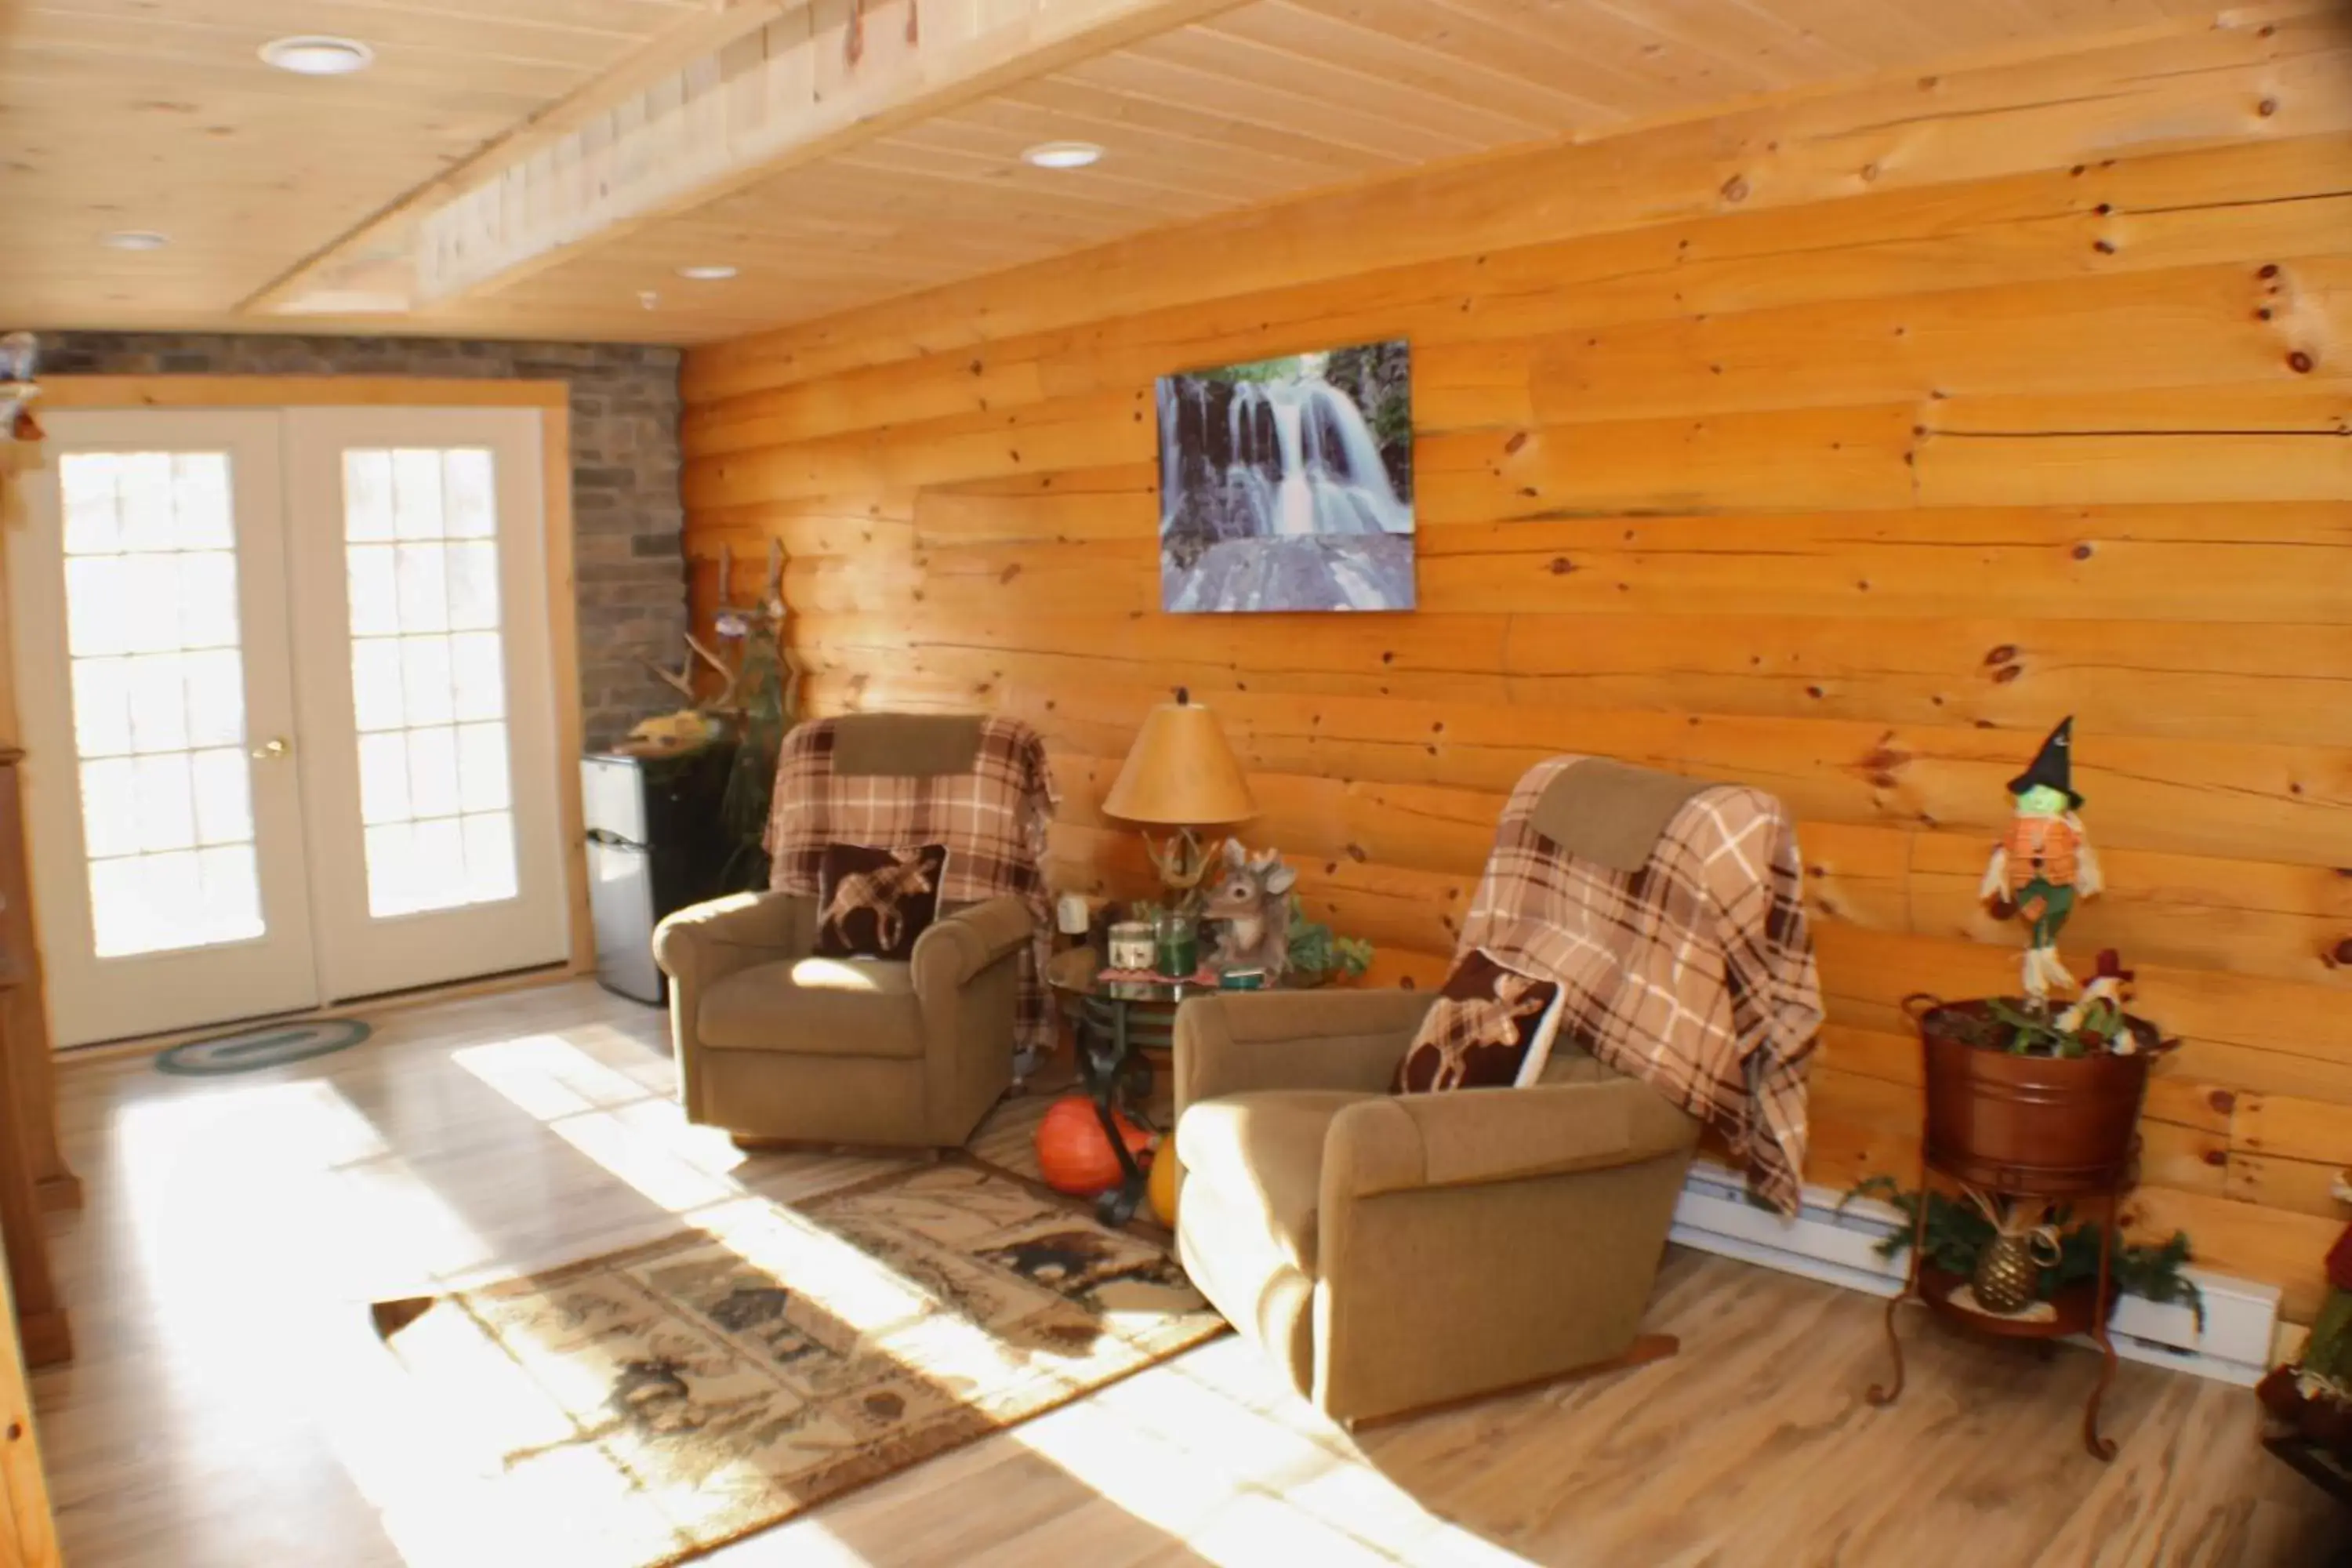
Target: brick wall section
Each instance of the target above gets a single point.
(630, 566)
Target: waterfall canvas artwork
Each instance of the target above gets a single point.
(1287, 484)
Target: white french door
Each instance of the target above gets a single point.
(148, 594)
(288, 700)
(420, 582)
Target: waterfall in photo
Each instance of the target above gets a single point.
(1353, 495)
(1301, 459)
(1171, 454)
(1275, 490)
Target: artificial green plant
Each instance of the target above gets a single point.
(1956, 1232)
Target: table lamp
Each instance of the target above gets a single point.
(1181, 775)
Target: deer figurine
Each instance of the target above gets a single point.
(1251, 895)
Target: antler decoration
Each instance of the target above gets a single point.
(682, 678)
(1180, 861)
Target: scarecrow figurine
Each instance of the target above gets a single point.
(2044, 864)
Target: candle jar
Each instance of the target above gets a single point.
(1130, 945)
(1177, 942)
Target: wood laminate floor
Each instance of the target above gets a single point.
(220, 1414)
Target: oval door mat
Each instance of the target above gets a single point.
(268, 1045)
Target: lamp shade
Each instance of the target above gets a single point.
(1181, 773)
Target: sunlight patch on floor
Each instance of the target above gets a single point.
(642, 1146)
(1202, 1449)
(642, 1126)
(217, 1182)
(1166, 1449)
(1241, 1487)
(549, 1077)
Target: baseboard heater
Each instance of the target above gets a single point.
(1839, 1247)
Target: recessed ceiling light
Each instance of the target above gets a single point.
(1062, 154)
(314, 54)
(716, 272)
(135, 240)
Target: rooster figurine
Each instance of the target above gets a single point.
(2043, 865)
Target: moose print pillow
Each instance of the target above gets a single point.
(874, 903)
(1489, 1018)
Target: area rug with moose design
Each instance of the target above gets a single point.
(642, 1407)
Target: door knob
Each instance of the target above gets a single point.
(270, 751)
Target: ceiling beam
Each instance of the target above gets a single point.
(371, 260)
(828, 76)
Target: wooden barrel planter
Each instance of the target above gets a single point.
(2051, 1125)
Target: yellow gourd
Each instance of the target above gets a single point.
(1162, 1186)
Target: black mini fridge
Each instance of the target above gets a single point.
(655, 844)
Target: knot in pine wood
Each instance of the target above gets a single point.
(2004, 653)
(1735, 189)
(2342, 953)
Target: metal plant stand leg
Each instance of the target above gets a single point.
(1886, 1394)
(1104, 1074)
(2102, 1447)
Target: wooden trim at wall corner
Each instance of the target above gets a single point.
(29, 1535)
(68, 392)
(563, 638)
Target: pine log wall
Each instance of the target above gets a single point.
(1837, 444)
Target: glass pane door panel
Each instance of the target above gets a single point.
(157, 675)
(428, 693)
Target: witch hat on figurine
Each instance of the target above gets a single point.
(2053, 766)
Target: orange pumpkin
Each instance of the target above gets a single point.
(1071, 1153)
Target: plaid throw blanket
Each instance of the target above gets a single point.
(1694, 973)
(992, 819)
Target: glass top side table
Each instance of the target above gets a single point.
(1115, 1021)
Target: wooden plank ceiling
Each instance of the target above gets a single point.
(160, 115)
(157, 114)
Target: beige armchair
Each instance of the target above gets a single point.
(1395, 1252)
(777, 1045)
